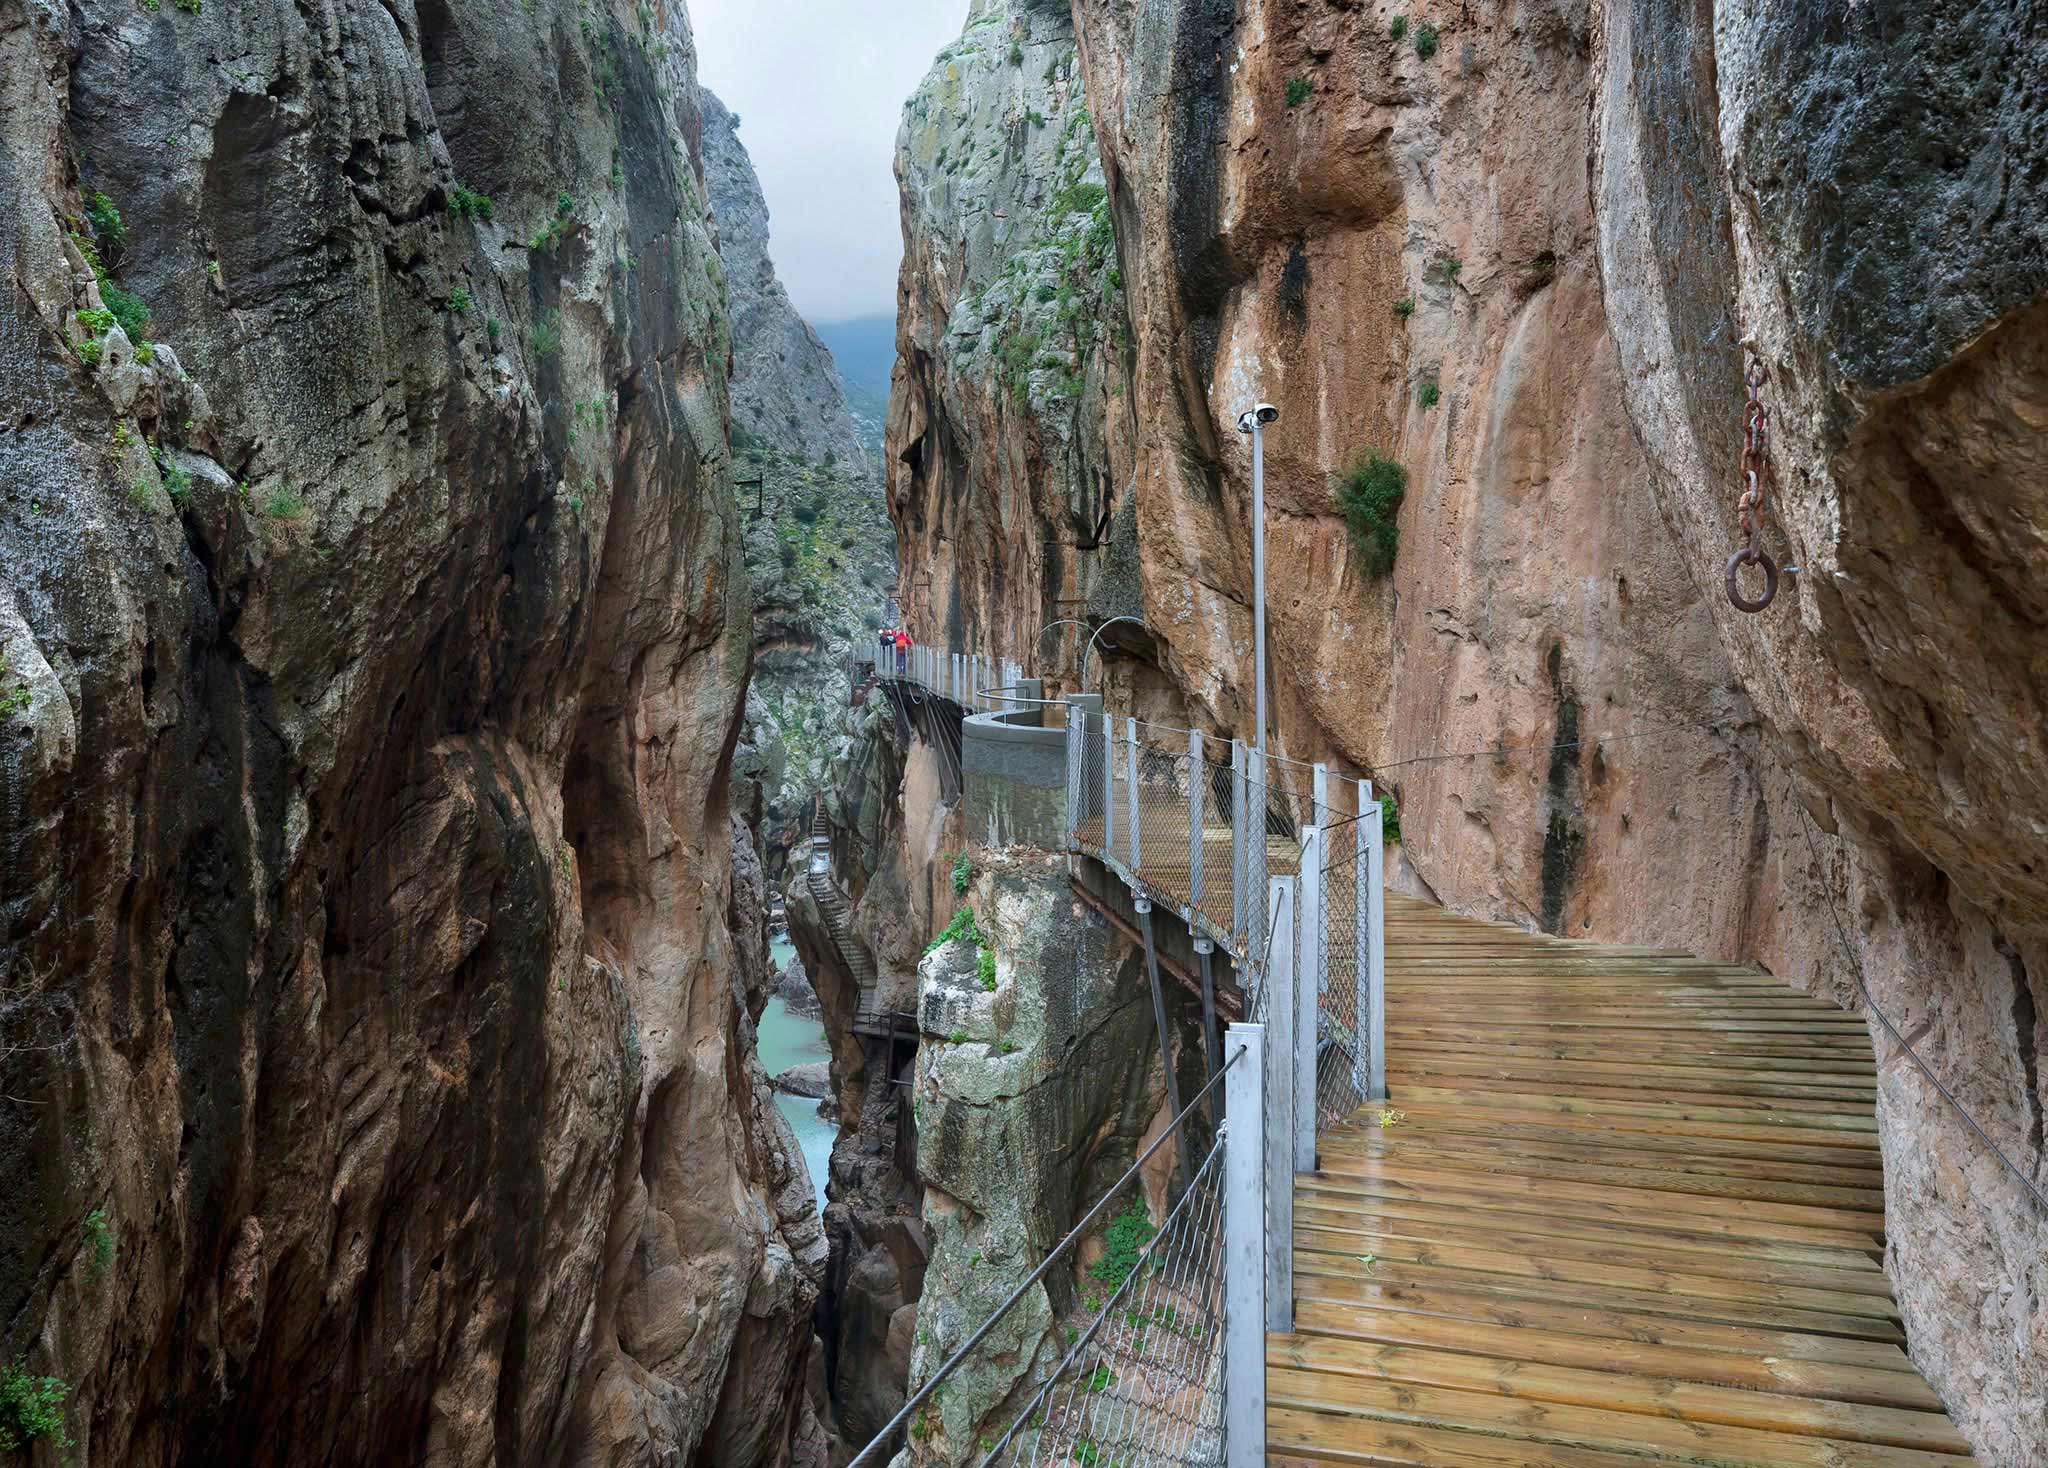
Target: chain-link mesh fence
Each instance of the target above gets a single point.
(1110, 1351)
(1139, 1381)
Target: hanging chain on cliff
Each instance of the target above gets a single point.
(1750, 509)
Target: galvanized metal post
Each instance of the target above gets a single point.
(1108, 786)
(1362, 1026)
(1256, 849)
(1197, 787)
(1144, 907)
(1137, 851)
(1205, 952)
(1244, 1253)
(1279, 1118)
(1376, 937)
(1259, 580)
(1238, 903)
(1077, 730)
(1305, 991)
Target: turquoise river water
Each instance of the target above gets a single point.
(786, 1040)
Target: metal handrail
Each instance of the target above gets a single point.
(1059, 1251)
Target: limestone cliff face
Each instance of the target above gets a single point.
(1032, 1098)
(1008, 435)
(1392, 234)
(376, 1080)
(819, 547)
(1863, 200)
(785, 390)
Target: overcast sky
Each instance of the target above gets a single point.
(819, 86)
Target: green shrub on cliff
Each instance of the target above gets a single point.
(962, 926)
(1122, 1242)
(1370, 499)
(1425, 40)
(963, 873)
(31, 1408)
(1298, 89)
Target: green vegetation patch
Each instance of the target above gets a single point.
(1122, 1242)
(31, 1410)
(1370, 498)
(1298, 90)
(1425, 40)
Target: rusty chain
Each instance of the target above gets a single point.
(1750, 509)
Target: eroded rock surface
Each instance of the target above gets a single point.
(1032, 1098)
(380, 953)
(1008, 435)
(1862, 199)
(819, 547)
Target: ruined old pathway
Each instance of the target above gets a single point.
(1628, 1209)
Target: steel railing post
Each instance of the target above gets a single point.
(1197, 786)
(1244, 1252)
(1077, 731)
(1257, 848)
(1108, 786)
(1137, 851)
(1362, 1027)
(1304, 993)
(1279, 1116)
(1376, 947)
(1239, 927)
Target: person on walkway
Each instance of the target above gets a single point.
(902, 652)
(886, 641)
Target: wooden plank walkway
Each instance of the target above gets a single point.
(1630, 1212)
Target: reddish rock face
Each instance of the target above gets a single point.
(378, 949)
(1522, 267)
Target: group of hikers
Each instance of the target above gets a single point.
(893, 640)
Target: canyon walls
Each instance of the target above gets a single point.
(1515, 252)
(376, 1065)
(820, 551)
(1009, 429)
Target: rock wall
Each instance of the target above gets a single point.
(785, 389)
(819, 546)
(379, 951)
(1008, 434)
(890, 834)
(1034, 1091)
(1898, 296)
(1392, 234)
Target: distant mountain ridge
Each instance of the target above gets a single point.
(864, 350)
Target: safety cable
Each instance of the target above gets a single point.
(2032, 1189)
(1058, 1251)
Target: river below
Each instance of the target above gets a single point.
(785, 1040)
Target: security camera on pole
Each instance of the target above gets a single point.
(1254, 422)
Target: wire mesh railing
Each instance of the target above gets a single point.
(1205, 828)
(1125, 1354)
(1140, 1382)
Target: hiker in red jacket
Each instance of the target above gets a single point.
(902, 652)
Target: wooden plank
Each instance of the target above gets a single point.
(1316, 1232)
(1571, 1313)
(1560, 1269)
(1513, 1416)
(1620, 1208)
(1754, 1371)
(1330, 1277)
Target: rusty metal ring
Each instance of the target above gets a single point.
(1748, 555)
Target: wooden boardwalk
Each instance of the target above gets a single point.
(1630, 1212)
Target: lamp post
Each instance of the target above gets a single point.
(1254, 421)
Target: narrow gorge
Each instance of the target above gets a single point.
(444, 731)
